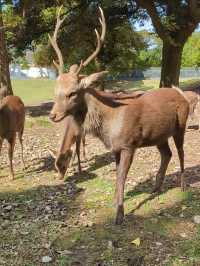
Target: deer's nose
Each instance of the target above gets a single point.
(52, 116)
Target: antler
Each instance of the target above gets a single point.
(53, 40)
(100, 41)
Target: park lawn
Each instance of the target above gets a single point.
(35, 91)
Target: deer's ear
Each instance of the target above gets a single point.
(91, 79)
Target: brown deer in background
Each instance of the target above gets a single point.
(12, 118)
(123, 125)
(193, 99)
(73, 133)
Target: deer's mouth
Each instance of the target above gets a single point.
(57, 118)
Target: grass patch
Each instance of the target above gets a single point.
(42, 121)
(34, 91)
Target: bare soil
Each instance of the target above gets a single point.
(72, 222)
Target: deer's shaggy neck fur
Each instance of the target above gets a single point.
(100, 110)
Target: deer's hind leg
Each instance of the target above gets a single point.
(11, 145)
(20, 134)
(179, 141)
(166, 155)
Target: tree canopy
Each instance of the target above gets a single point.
(191, 51)
(77, 38)
(27, 24)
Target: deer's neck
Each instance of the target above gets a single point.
(98, 115)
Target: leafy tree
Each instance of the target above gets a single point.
(151, 56)
(120, 52)
(174, 21)
(191, 51)
(5, 83)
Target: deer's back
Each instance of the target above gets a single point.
(150, 119)
(12, 115)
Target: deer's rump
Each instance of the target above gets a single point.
(150, 119)
(13, 113)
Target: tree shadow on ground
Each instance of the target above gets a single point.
(99, 162)
(30, 219)
(47, 165)
(40, 109)
(159, 232)
(192, 179)
(51, 209)
(195, 127)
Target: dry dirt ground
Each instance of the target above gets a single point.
(72, 223)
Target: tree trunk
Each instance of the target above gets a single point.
(5, 82)
(171, 64)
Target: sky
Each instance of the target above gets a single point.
(147, 25)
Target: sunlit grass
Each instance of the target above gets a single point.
(34, 91)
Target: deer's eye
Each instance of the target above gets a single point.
(72, 94)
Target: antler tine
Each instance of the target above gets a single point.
(103, 24)
(80, 67)
(56, 64)
(100, 40)
(54, 43)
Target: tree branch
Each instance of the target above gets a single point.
(151, 9)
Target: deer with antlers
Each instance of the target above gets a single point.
(71, 127)
(123, 125)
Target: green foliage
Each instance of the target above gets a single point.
(29, 23)
(122, 48)
(28, 27)
(120, 52)
(152, 55)
(191, 51)
(43, 56)
(21, 60)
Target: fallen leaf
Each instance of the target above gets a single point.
(183, 208)
(136, 242)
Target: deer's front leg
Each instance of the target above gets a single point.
(126, 158)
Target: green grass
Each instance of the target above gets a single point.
(34, 91)
(42, 121)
